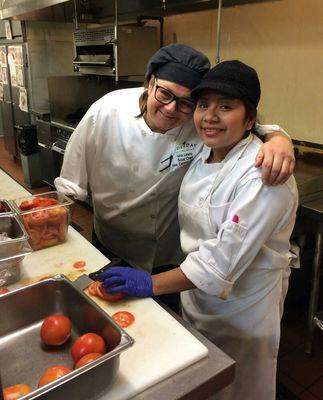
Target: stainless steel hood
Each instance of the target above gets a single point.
(103, 10)
(14, 8)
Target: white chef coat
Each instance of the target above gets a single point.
(134, 175)
(235, 232)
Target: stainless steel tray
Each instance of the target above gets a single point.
(10, 267)
(13, 227)
(23, 358)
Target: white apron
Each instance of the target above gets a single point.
(246, 326)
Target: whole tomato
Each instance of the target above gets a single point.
(52, 373)
(87, 343)
(87, 359)
(16, 391)
(55, 330)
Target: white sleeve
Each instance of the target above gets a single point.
(263, 130)
(219, 261)
(76, 168)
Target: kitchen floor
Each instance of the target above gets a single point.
(299, 376)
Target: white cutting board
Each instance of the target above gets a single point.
(162, 345)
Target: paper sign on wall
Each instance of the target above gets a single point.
(23, 103)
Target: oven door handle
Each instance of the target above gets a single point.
(44, 146)
(91, 62)
(55, 147)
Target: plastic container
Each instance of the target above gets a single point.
(46, 217)
(11, 227)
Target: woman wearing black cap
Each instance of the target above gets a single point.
(235, 233)
(132, 148)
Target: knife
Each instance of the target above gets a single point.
(83, 281)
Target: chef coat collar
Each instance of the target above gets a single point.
(205, 153)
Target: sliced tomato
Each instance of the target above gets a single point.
(93, 288)
(62, 231)
(112, 298)
(28, 204)
(56, 215)
(46, 201)
(47, 242)
(37, 218)
(79, 264)
(4, 290)
(123, 318)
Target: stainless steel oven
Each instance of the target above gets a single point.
(49, 163)
(98, 50)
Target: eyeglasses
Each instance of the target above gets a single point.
(165, 96)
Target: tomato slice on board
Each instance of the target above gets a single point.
(4, 290)
(79, 264)
(112, 298)
(93, 288)
(123, 318)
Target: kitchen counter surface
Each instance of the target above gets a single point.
(169, 359)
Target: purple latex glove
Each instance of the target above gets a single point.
(127, 280)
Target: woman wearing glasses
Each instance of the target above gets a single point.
(133, 147)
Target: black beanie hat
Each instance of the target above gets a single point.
(178, 63)
(233, 78)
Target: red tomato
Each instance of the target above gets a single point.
(46, 201)
(112, 298)
(87, 359)
(56, 215)
(53, 373)
(55, 330)
(16, 391)
(3, 208)
(37, 218)
(93, 288)
(123, 318)
(87, 343)
(28, 204)
(79, 264)
(4, 290)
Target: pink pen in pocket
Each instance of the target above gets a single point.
(235, 218)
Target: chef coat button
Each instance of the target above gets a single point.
(143, 133)
(123, 215)
(135, 168)
(152, 216)
(201, 201)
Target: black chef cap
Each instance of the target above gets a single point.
(178, 63)
(233, 78)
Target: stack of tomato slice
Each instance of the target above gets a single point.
(45, 224)
(96, 289)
